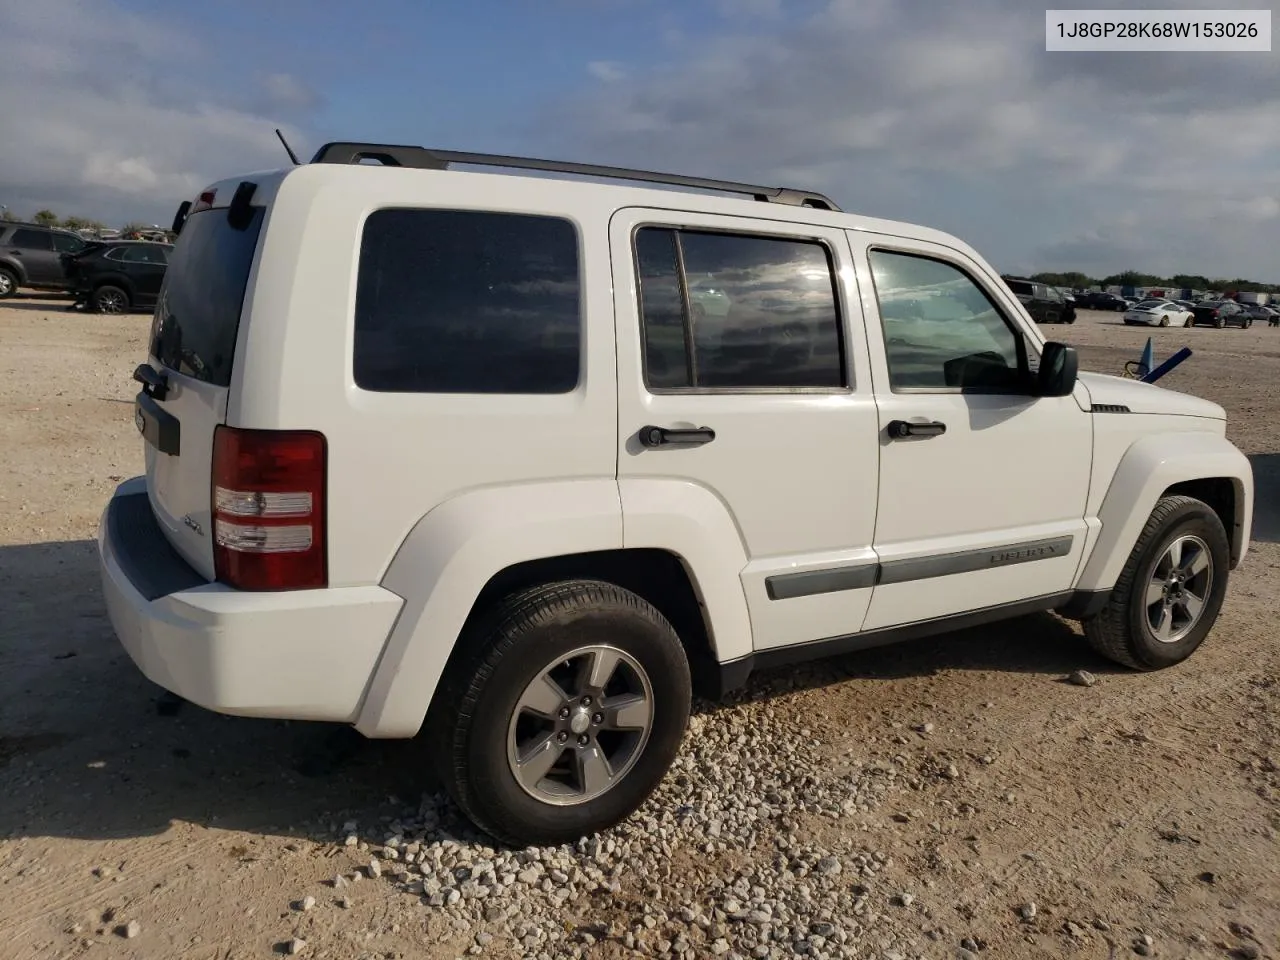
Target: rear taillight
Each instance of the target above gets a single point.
(269, 509)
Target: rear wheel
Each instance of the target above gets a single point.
(109, 299)
(1248, 323)
(564, 714)
(1220, 322)
(1164, 321)
(8, 283)
(1170, 591)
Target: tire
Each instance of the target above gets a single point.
(1126, 630)
(8, 283)
(1189, 322)
(1164, 321)
(478, 727)
(1247, 324)
(1220, 322)
(110, 300)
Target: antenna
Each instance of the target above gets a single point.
(289, 150)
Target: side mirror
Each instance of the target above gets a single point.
(1059, 367)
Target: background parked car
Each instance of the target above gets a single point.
(31, 256)
(1259, 311)
(1045, 303)
(120, 276)
(1096, 300)
(1158, 313)
(1220, 313)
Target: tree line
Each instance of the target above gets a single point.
(1133, 278)
(50, 219)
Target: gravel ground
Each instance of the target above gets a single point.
(999, 792)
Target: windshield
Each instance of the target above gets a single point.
(198, 314)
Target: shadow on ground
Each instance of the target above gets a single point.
(91, 749)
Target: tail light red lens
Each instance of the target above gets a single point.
(269, 509)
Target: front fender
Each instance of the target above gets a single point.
(1150, 466)
(447, 559)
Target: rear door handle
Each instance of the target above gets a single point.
(901, 429)
(665, 436)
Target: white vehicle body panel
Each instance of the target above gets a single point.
(796, 470)
(1010, 475)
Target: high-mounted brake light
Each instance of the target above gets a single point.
(203, 202)
(269, 508)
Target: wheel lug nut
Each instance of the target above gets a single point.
(564, 713)
(562, 736)
(598, 719)
(586, 701)
(583, 740)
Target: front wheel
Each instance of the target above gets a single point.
(564, 712)
(1189, 322)
(1169, 593)
(8, 283)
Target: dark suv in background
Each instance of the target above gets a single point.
(118, 276)
(31, 255)
(1045, 303)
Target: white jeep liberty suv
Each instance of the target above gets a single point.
(523, 461)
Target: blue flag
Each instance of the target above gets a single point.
(1148, 361)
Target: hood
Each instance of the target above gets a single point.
(1142, 397)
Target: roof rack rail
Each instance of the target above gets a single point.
(400, 155)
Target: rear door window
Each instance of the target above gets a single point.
(198, 314)
(32, 239)
(467, 301)
(726, 311)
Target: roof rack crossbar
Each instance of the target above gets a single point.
(399, 155)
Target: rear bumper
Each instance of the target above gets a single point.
(298, 655)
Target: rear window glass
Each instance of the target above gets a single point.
(462, 301)
(32, 239)
(198, 314)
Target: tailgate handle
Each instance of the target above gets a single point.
(154, 384)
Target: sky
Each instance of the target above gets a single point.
(949, 114)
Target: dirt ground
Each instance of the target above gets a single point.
(1144, 805)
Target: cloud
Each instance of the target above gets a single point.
(285, 92)
(607, 71)
(115, 120)
(954, 115)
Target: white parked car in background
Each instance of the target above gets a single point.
(1158, 313)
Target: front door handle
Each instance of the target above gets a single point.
(901, 429)
(664, 436)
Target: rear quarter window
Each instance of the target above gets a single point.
(461, 301)
(198, 314)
